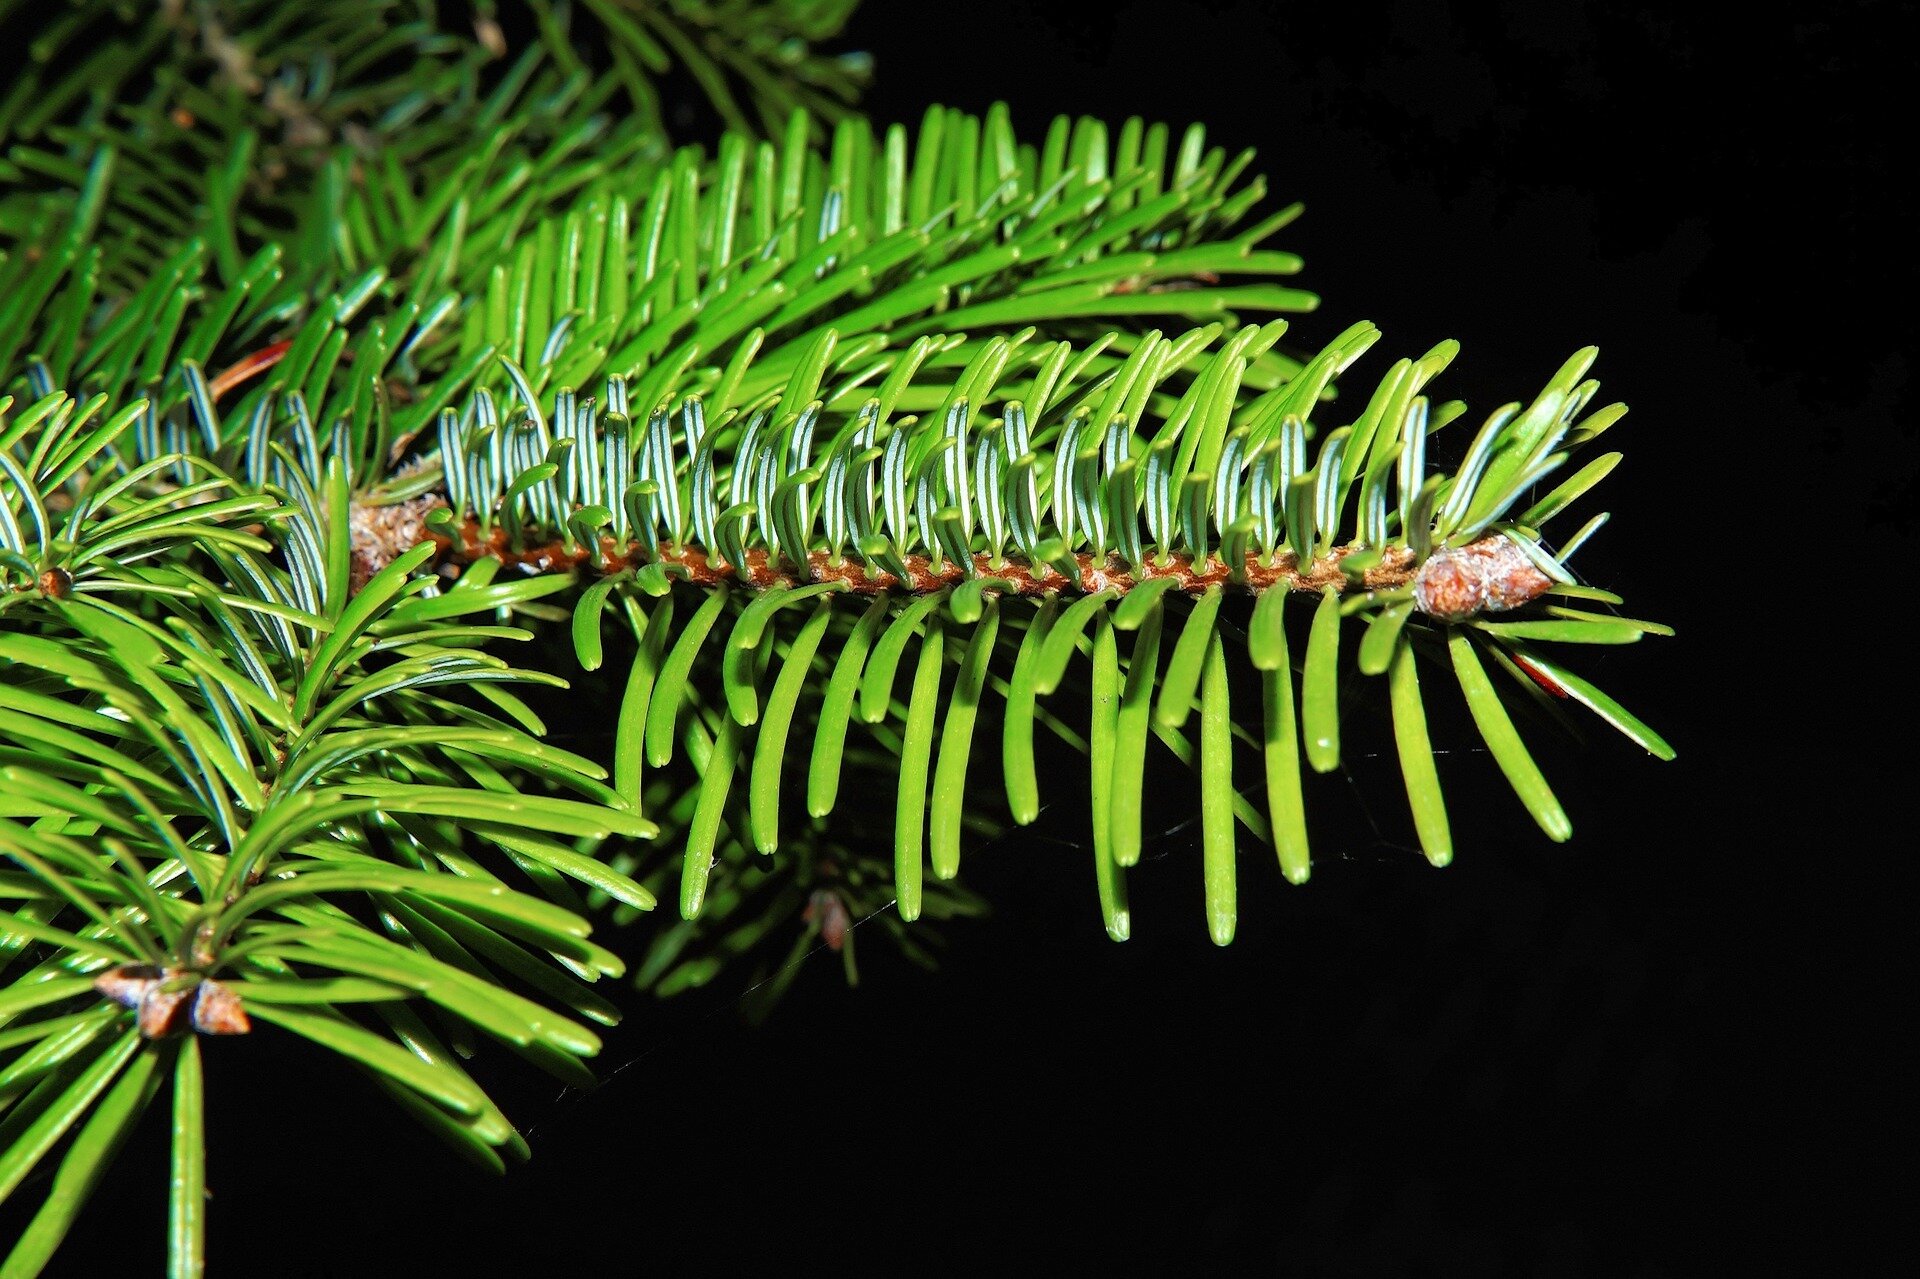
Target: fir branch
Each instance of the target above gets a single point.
(254, 776)
(723, 277)
(333, 135)
(882, 443)
(958, 513)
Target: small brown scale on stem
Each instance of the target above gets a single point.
(55, 583)
(163, 996)
(1489, 575)
(381, 534)
(826, 908)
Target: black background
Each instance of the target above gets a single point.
(1662, 1049)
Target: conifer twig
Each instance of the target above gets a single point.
(1488, 575)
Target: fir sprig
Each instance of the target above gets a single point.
(250, 794)
(330, 134)
(699, 275)
(337, 355)
(807, 512)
